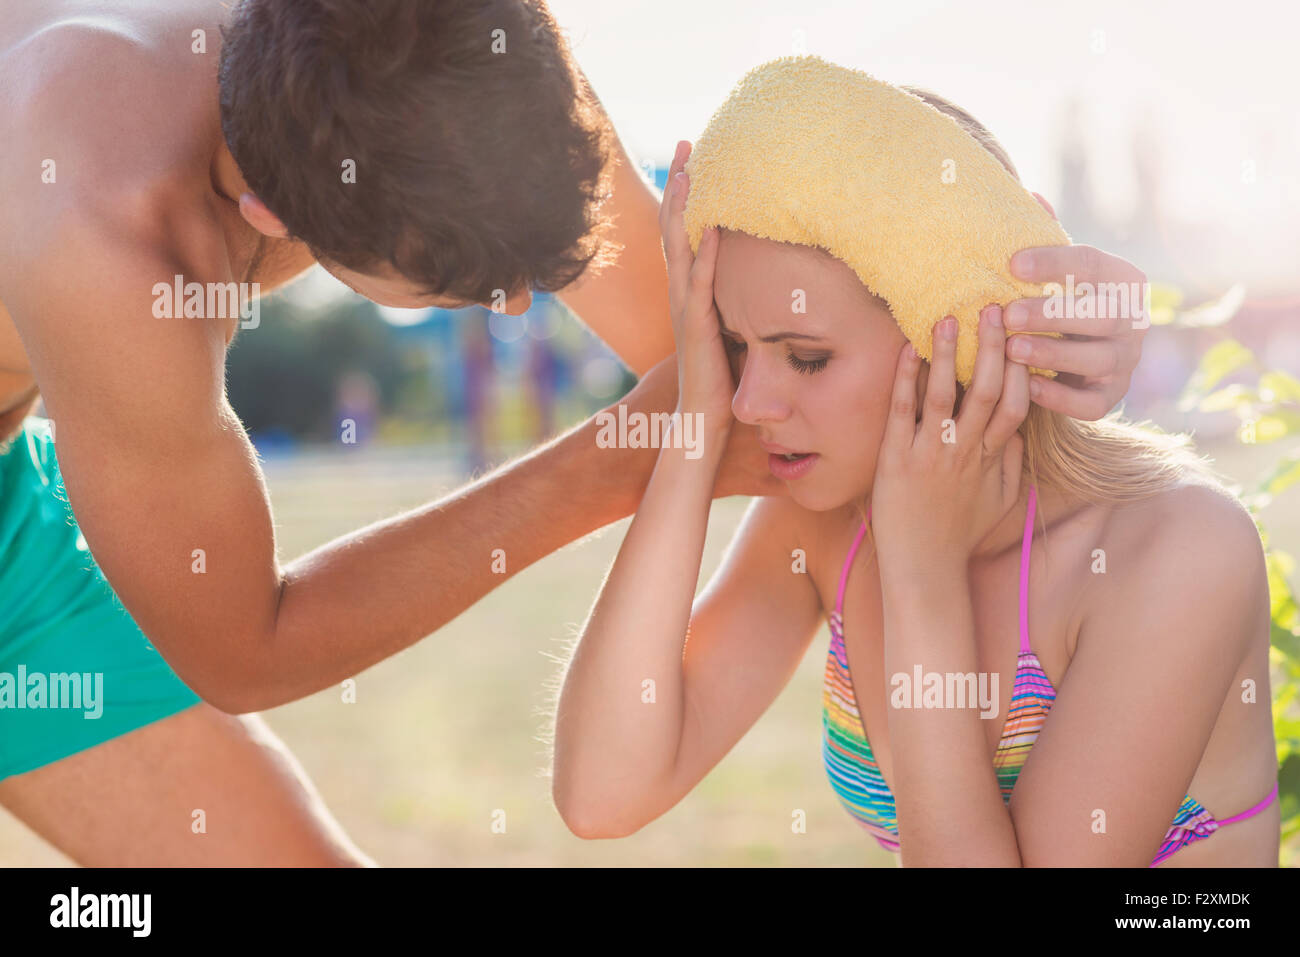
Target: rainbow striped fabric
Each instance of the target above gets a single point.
(852, 769)
(854, 774)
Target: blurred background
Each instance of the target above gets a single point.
(1168, 133)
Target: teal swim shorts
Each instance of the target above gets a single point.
(75, 669)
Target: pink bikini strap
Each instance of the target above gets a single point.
(1025, 546)
(1255, 810)
(1024, 568)
(848, 563)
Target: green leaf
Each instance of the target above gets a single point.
(1288, 776)
(1165, 300)
(1220, 360)
(1282, 476)
(1229, 397)
(1276, 425)
(1282, 698)
(1282, 606)
(1217, 311)
(1285, 744)
(1278, 386)
(1286, 641)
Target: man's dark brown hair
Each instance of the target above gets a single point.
(476, 169)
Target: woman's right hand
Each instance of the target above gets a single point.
(704, 377)
(744, 468)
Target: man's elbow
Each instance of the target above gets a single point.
(231, 697)
(228, 687)
(235, 675)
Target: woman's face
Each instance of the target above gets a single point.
(814, 354)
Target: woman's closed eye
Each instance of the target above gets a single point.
(806, 366)
(736, 347)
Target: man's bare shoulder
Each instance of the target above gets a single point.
(105, 123)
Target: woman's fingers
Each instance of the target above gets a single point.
(707, 385)
(922, 378)
(981, 398)
(1011, 409)
(677, 247)
(941, 386)
(900, 426)
(680, 156)
(1012, 466)
(699, 302)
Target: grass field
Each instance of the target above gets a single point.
(445, 734)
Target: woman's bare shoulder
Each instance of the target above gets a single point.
(1194, 545)
(813, 541)
(1198, 513)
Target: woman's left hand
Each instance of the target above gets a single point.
(942, 484)
(704, 381)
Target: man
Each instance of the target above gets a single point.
(426, 153)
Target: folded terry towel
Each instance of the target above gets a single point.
(806, 151)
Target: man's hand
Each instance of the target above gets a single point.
(1096, 358)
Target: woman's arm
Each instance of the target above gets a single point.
(950, 810)
(619, 730)
(1154, 663)
(625, 751)
(619, 717)
(941, 485)
(1184, 598)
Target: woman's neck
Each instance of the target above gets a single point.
(1051, 506)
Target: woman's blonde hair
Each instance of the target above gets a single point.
(1110, 461)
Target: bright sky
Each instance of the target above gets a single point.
(1216, 85)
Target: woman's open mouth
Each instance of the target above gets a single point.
(791, 465)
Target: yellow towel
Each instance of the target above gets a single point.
(806, 151)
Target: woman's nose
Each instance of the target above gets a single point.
(757, 399)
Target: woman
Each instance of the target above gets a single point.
(1131, 661)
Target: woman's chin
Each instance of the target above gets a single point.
(826, 496)
(816, 499)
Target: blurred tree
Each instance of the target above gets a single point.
(284, 375)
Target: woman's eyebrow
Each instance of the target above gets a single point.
(774, 337)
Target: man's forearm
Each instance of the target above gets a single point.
(365, 596)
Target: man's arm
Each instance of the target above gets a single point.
(626, 303)
(166, 488)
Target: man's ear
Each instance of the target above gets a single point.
(261, 218)
(1045, 204)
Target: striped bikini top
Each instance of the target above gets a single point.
(855, 777)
